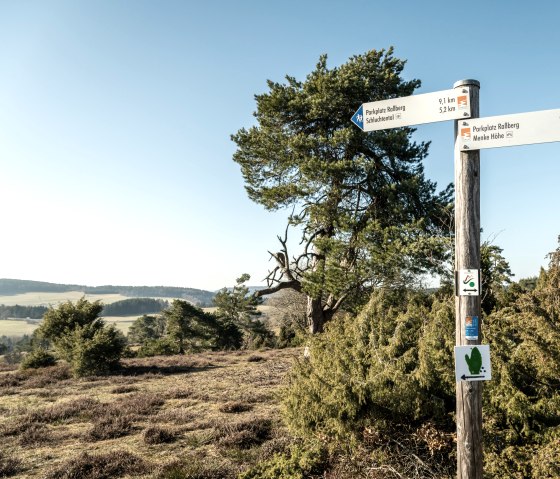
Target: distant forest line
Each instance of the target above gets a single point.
(126, 307)
(199, 297)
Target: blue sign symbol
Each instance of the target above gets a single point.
(358, 118)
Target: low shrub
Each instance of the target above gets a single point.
(10, 380)
(158, 435)
(180, 415)
(255, 358)
(157, 347)
(235, 407)
(66, 410)
(34, 433)
(110, 427)
(198, 468)
(99, 466)
(39, 358)
(244, 434)
(9, 466)
(123, 389)
(27, 430)
(179, 393)
(39, 378)
(96, 351)
(142, 404)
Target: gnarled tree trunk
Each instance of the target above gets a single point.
(315, 315)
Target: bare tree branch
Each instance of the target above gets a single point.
(295, 285)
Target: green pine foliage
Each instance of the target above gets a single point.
(183, 327)
(81, 338)
(38, 358)
(367, 214)
(95, 350)
(367, 372)
(522, 402)
(238, 317)
(146, 328)
(300, 463)
(157, 347)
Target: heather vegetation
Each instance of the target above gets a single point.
(207, 415)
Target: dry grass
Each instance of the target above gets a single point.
(208, 415)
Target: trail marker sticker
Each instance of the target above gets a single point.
(471, 328)
(468, 282)
(414, 110)
(472, 363)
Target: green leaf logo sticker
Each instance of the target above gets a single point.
(474, 361)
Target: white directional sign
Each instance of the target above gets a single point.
(414, 110)
(509, 130)
(468, 282)
(472, 363)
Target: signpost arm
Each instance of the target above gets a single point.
(467, 256)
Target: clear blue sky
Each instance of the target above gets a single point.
(115, 123)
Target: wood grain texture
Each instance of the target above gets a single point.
(467, 256)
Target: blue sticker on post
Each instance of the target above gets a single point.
(471, 328)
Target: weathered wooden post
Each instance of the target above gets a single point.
(467, 305)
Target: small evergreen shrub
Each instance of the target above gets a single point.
(385, 381)
(96, 351)
(367, 371)
(157, 347)
(81, 338)
(39, 358)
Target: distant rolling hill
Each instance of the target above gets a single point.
(199, 297)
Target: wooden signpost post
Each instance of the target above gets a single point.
(472, 360)
(467, 303)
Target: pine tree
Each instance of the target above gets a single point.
(368, 215)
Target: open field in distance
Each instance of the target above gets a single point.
(52, 299)
(16, 327)
(19, 327)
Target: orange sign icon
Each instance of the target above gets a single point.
(462, 102)
(465, 134)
